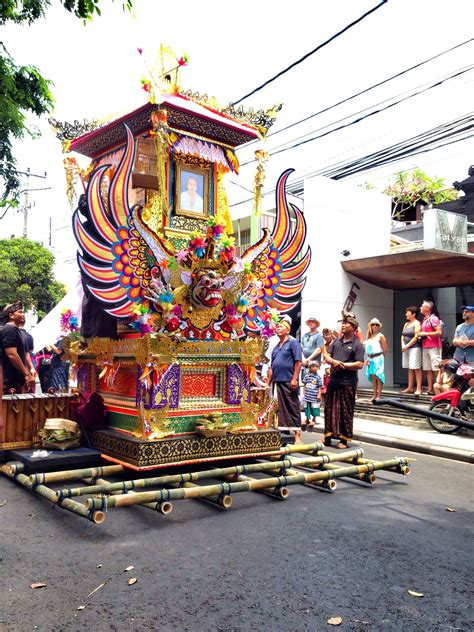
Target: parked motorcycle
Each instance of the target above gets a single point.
(457, 402)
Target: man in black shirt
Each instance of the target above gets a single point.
(346, 357)
(16, 363)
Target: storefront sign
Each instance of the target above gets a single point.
(445, 231)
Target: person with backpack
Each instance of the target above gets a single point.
(431, 342)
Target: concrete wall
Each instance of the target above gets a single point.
(341, 217)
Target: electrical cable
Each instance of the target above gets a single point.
(434, 133)
(438, 133)
(299, 61)
(422, 148)
(375, 85)
(362, 118)
(449, 128)
(410, 93)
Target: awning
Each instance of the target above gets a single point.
(414, 269)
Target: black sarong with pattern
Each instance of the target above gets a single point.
(339, 411)
(289, 414)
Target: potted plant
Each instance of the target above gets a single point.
(411, 190)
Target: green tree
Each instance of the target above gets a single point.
(26, 273)
(22, 88)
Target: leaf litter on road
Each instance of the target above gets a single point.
(132, 580)
(129, 568)
(36, 585)
(334, 621)
(414, 593)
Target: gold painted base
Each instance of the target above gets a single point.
(188, 448)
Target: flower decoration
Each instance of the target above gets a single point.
(197, 245)
(182, 255)
(167, 297)
(143, 319)
(146, 85)
(183, 60)
(68, 322)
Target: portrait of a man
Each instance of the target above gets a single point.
(192, 192)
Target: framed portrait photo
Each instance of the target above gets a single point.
(192, 191)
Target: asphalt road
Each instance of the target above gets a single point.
(265, 564)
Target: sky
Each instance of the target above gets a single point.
(96, 71)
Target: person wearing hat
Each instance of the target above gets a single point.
(464, 336)
(375, 347)
(284, 372)
(16, 362)
(312, 342)
(345, 357)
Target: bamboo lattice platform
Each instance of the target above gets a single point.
(306, 464)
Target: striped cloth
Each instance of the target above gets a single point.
(312, 383)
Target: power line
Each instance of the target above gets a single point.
(274, 151)
(375, 85)
(373, 113)
(299, 61)
(450, 129)
(408, 151)
(463, 124)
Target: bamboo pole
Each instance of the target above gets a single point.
(164, 508)
(223, 501)
(162, 481)
(94, 515)
(281, 493)
(301, 447)
(69, 475)
(402, 468)
(229, 488)
(328, 484)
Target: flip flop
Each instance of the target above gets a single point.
(342, 446)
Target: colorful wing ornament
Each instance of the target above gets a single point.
(279, 263)
(118, 252)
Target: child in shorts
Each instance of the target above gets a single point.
(312, 395)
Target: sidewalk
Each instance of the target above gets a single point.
(459, 447)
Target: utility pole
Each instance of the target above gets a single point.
(26, 191)
(26, 204)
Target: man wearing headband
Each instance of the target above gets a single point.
(284, 372)
(16, 362)
(345, 357)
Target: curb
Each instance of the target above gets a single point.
(416, 446)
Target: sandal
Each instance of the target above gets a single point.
(328, 443)
(342, 446)
(417, 393)
(407, 392)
